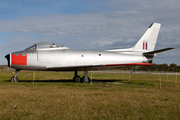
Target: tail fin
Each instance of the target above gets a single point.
(148, 40)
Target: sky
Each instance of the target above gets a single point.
(89, 24)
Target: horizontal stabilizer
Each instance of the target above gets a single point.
(157, 51)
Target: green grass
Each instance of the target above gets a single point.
(54, 96)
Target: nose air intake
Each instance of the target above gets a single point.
(8, 59)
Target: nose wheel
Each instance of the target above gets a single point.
(15, 78)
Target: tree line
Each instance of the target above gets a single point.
(156, 67)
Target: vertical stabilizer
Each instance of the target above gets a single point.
(148, 41)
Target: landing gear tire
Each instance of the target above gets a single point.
(14, 79)
(83, 80)
(77, 78)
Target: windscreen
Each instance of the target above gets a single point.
(48, 45)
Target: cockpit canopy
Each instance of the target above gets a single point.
(43, 45)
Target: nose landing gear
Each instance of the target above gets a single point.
(15, 78)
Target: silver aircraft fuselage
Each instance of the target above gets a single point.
(64, 59)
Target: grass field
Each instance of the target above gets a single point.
(53, 95)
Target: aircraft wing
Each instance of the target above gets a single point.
(72, 68)
(94, 67)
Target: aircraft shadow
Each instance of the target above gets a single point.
(67, 81)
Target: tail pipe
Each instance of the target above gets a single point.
(8, 57)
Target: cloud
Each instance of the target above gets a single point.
(116, 24)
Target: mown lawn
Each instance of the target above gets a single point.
(53, 95)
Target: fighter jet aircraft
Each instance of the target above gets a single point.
(49, 56)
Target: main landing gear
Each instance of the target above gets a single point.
(84, 79)
(15, 78)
